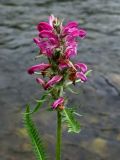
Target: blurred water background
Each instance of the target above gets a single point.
(98, 100)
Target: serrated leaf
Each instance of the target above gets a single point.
(68, 118)
(73, 110)
(34, 136)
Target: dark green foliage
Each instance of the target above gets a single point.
(68, 118)
(34, 136)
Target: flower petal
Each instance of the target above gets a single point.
(71, 50)
(53, 81)
(51, 19)
(62, 66)
(57, 102)
(40, 67)
(81, 76)
(47, 34)
(81, 66)
(40, 81)
(44, 26)
(82, 33)
(46, 47)
(36, 40)
(71, 24)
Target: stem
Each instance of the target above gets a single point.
(59, 130)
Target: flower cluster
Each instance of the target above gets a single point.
(59, 44)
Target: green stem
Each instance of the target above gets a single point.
(59, 131)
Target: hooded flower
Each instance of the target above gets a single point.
(53, 81)
(78, 71)
(44, 26)
(81, 66)
(71, 50)
(40, 81)
(83, 69)
(72, 29)
(50, 83)
(47, 46)
(81, 76)
(38, 67)
(58, 103)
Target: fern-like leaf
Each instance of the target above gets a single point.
(68, 118)
(34, 136)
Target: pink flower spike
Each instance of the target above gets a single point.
(81, 76)
(53, 81)
(58, 102)
(44, 26)
(82, 33)
(40, 81)
(81, 66)
(39, 67)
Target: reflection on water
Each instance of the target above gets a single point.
(99, 99)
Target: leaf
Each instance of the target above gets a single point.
(74, 111)
(77, 114)
(88, 73)
(71, 90)
(39, 104)
(68, 118)
(34, 136)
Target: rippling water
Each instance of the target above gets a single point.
(99, 99)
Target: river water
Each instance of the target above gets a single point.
(98, 100)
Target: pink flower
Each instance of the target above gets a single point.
(40, 81)
(62, 65)
(48, 34)
(53, 81)
(47, 40)
(72, 29)
(38, 67)
(66, 63)
(83, 69)
(58, 102)
(50, 83)
(46, 46)
(81, 66)
(44, 26)
(81, 76)
(69, 26)
(71, 50)
(82, 33)
(51, 20)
